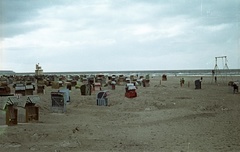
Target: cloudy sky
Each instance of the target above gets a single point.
(95, 35)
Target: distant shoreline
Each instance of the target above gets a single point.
(140, 72)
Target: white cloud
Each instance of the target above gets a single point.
(214, 28)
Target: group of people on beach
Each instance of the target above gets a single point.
(198, 82)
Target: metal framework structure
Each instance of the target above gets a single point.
(222, 73)
(224, 61)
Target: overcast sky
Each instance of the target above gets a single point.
(95, 35)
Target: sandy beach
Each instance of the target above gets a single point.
(163, 117)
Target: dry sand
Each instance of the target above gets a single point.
(164, 117)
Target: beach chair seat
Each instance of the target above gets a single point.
(58, 102)
(102, 99)
(130, 90)
(8, 110)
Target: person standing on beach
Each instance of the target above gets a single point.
(235, 87)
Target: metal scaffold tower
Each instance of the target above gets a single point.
(220, 73)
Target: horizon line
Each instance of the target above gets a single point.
(122, 71)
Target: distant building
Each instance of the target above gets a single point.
(39, 70)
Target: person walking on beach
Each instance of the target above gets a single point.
(182, 82)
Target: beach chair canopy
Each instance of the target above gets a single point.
(33, 99)
(130, 86)
(9, 100)
(102, 94)
(20, 86)
(113, 82)
(97, 83)
(128, 79)
(29, 87)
